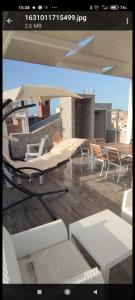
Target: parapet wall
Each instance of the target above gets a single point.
(18, 149)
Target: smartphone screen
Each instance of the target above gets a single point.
(67, 151)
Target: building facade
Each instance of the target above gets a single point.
(83, 118)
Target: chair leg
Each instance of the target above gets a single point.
(89, 161)
(26, 157)
(115, 172)
(102, 169)
(81, 157)
(107, 171)
(119, 174)
(92, 162)
(105, 162)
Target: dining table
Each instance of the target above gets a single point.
(122, 148)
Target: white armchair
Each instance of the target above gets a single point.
(45, 255)
(127, 206)
(36, 150)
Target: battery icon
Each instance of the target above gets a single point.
(114, 7)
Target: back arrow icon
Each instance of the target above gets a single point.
(9, 20)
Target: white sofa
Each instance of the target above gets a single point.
(127, 206)
(45, 255)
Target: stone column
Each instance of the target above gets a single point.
(67, 105)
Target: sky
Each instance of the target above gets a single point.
(108, 89)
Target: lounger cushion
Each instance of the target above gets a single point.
(60, 153)
(55, 264)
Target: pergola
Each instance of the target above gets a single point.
(102, 52)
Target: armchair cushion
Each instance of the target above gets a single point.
(56, 264)
(45, 256)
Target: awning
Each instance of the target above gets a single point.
(103, 52)
(28, 92)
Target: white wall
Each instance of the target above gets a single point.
(67, 105)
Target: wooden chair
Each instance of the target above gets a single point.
(114, 159)
(36, 150)
(101, 142)
(86, 150)
(99, 156)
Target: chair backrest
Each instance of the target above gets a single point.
(96, 150)
(113, 155)
(11, 272)
(87, 143)
(57, 138)
(100, 141)
(42, 145)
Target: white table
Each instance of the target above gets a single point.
(106, 237)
